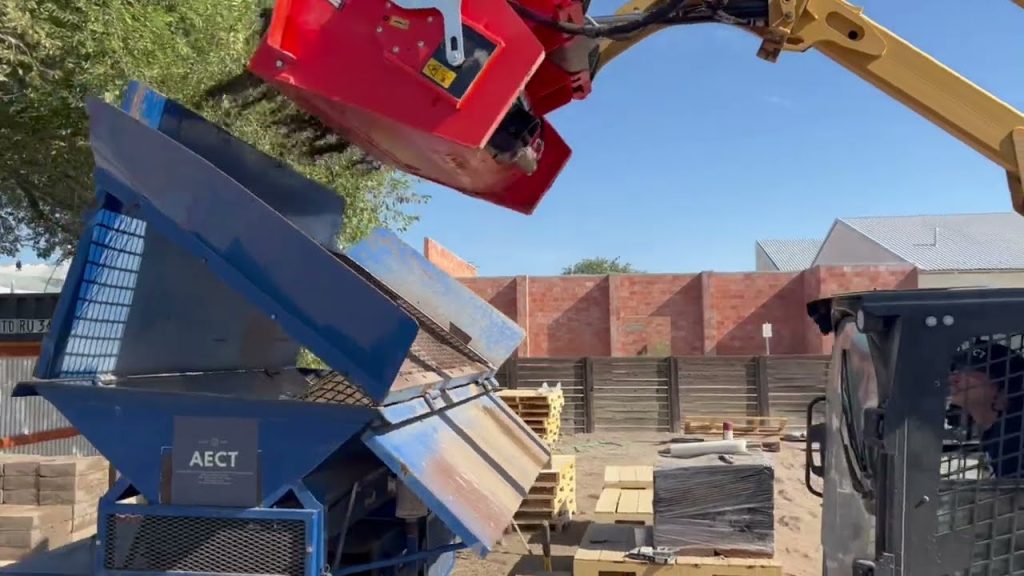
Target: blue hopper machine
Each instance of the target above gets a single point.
(203, 271)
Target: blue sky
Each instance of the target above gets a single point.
(690, 148)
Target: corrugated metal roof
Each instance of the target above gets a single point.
(19, 416)
(791, 255)
(949, 242)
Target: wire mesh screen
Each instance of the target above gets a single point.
(104, 296)
(981, 490)
(205, 545)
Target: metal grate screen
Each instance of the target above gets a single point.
(140, 543)
(104, 296)
(981, 490)
(331, 387)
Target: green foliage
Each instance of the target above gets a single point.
(600, 266)
(54, 53)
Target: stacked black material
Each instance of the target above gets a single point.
(705, 505)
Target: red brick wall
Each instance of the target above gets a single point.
(656, 313)
(447, 260)
(500, 292)
(741, 303)
(568, 316)
(676, 314)
(832, 280)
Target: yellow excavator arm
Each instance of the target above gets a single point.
(842, 32)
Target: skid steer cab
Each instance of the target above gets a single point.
(917, 443)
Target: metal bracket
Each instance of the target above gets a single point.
(798, 25)
(451, 14)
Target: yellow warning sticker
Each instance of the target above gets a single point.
(439, 73)
(400, 23)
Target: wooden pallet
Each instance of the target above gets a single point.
(533, 400)
(625, 506)
(742, 426)
(552, 498)
(629, 476)
(561, 471)
(532, 521)
(602, 552)
(542, 412)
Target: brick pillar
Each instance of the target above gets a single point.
(709, 335)
(814, 341)
(523, 311)
(614, 313)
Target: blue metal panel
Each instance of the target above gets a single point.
(173, 313)
(320, 302)
(314, 209)
(444, 299)
(50, 357)
(470, 463)
(425, 405)
(133, 429)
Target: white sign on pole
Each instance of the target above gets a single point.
(766, 331)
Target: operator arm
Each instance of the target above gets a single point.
(841, 32)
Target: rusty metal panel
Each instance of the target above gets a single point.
(20, 416)
(471, 462)
(445, 300)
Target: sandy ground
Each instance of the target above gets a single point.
(797, 512)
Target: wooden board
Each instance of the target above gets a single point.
(742, 426)
(625, 506)
(604, 546)
(629, 477)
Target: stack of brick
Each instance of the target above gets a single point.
(48, 502)
(627, 496)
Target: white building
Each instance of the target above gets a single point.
(32, 278)
(948, 250)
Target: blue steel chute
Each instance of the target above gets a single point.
(203, 271)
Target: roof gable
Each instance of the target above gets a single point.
(949, 242)
(790, 255)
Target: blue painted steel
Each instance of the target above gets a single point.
(338, 315)
(415, 557)
(471, 463)
(181, 317)
(187, 208)
(312, 519)
(431, 386)
(444, 299)
(130, 428)
(51, 354)
(314, 209)
(144, 104)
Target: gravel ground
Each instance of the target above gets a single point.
(797, 512)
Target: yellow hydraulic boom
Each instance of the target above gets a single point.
(842, 32)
